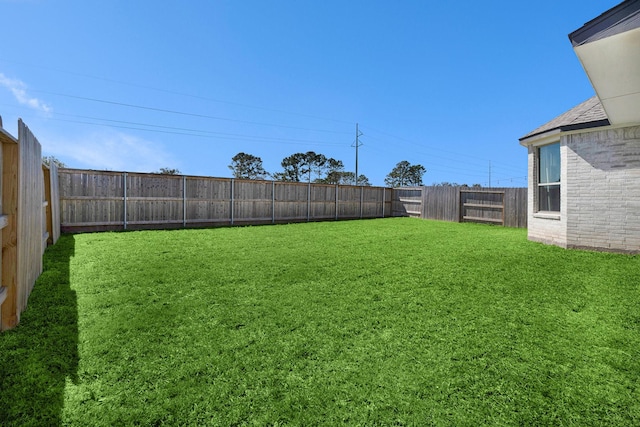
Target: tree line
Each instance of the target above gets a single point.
(307, 167)
(318, 168)
(298, 167)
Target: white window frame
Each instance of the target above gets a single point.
(540, 185)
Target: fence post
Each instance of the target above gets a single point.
(309, 201)
(184, 201)
(337, 190)
(52, 185)
(273, 202)
(48, 221)
(124, 199)
(361, 199)
(384, 195)
(459, 204)
(9, 289)
(231, 208)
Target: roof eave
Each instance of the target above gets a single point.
(604, 21)
(530, 139)
(607, 50)
(588, 125)
(525, 141)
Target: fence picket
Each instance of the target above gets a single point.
(169, 201)
(30, 209)
(506, 206)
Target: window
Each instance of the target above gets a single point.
(549, 178)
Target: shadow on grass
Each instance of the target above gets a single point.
(41, 353)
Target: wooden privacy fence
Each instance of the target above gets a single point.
(503, 206)
(407, 202)
(102, 200)
(29, 219)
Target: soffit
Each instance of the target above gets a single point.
(613, 67)
(609, 49)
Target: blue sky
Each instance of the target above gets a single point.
(140, 85)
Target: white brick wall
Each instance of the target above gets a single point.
(603, 189)
(600, 192)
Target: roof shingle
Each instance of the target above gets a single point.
(619, 19)
(586, 115)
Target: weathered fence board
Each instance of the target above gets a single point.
(407, 202)
(515, 207)
(29, 220)
(52, 195)
(441, 203)
(505, 206)
(349, 202)
(9, 285)
(208, 200)
(482, 206)
(31, 231)
(135, 201)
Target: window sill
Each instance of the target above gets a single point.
(547, 215)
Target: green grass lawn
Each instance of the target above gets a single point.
(379, 322)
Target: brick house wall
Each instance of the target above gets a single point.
(599, 144)
(603, 189)
(599, 193)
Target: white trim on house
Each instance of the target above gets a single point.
(607, 49)
(556, 134)
(547, 215)
(542, 139)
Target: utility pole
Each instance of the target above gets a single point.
(357, 144)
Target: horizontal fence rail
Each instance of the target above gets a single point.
(407, 202)
(485, 206)
(501, 206)
(102, 200)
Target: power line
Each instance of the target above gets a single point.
(205, 134)
(479, 177)
(458, 154)
(461, 168)
(176, 130)
(177, 93)
(182, 113)
(230, 136)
